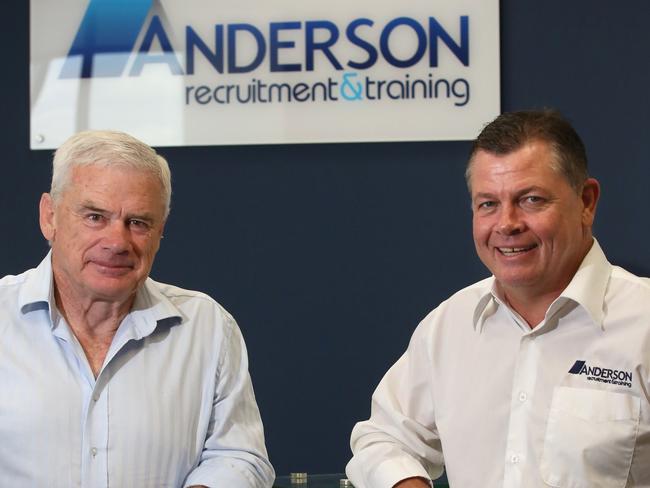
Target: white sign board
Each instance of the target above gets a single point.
(206, 72)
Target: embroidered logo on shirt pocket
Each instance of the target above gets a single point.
(590, 438)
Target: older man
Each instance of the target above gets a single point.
(108, 378)
(540, 375)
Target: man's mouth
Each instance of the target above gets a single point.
(113, 264)
(113, 267)
(514, 251)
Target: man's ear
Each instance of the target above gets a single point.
(46, 216)
(590, 195)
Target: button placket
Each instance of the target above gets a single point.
(520, 410)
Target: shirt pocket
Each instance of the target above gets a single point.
(590, 438)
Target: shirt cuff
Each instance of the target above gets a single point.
(393, 470)
(217, 478)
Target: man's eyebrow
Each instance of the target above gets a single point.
(532, 188)
(522, 191)
(482, 195)
(88, 205)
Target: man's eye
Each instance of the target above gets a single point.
(138, 224)
(534, 199)
(486, 205)
(94, 218)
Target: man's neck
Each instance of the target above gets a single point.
(93, 322)
(531, 308)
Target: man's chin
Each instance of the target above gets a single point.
(112, 291)
(516, 282)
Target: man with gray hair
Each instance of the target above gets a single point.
(108, 378)
(539, 375)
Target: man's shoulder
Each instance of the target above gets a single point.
(464, 301)
(454, 317)
(623, 274)
(471, 294)
(632, 283)
(176, 292)
(32, 284)
(9, 283)
(187, 300)
(481, 287)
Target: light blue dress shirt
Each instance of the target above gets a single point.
(172, 406)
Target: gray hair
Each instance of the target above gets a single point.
(108, 148)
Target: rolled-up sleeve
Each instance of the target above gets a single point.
(400, 439)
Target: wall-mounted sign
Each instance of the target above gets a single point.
(205, 72)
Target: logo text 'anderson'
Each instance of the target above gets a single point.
(603, 375)
(108, 38)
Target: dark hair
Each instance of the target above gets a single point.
(511, 130)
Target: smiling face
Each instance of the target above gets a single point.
(104, 230)
(531, 228)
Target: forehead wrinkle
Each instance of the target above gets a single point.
(95, 207)
(99, 189)
(90, 205)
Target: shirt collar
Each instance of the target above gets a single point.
(150, 308)
(487, 304)
(37, 291)
(589, 284)
(587, 289)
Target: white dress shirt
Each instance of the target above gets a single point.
(566, 404)
(172, 406)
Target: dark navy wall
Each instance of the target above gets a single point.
(329, 255)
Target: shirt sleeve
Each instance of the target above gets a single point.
(234, 454)
(400, 439)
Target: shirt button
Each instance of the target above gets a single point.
(93, 451)
(95, 397)
(523, 396)
(514, 459)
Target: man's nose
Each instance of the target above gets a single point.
(116, 237)
(510, 221)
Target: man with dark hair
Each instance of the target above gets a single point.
(107, 377)
(539, 375)
(511, 130)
